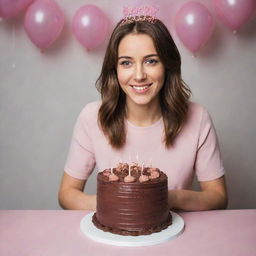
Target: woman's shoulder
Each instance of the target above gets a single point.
(198, 113)
(195, 108)
(90, 110)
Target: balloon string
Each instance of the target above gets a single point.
(13, 43)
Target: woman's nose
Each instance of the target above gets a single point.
(140, 74)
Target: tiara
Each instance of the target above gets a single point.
(144, 13)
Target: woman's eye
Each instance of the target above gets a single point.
(125, 63)
(151, 61)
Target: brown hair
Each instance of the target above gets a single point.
(174, 95)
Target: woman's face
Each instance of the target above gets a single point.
(140, 71)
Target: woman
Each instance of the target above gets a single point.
(145, 112)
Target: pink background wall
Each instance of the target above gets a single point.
(42, 94)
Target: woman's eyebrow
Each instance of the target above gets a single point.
(125, 57)
(145, 57)
(151, 55)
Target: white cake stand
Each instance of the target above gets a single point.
(174, 230)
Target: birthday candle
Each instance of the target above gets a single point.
(137, 157)
(130, 162)
(150, 162)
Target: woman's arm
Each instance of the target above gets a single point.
(72, 197)
(213, 195)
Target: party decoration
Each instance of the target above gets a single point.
(143, 178)
(90, 26)
(129, 178)
(194, 25)
(12, 8)
(234, 13)
(144, 13)
(43, 22)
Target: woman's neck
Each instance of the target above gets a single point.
(143, 115)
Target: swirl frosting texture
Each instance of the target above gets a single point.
(136, 208)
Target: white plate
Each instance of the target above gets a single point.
(174, 230)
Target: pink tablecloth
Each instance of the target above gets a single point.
(57, 233)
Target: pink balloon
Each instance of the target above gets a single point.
(43, 22)
(194, 25)
(90, 26)
(12, 8)
(234, 13)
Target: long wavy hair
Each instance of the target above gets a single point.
(174, 95)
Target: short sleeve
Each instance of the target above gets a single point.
(208, 164)
(80, 161)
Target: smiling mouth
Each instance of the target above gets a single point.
(141, 87)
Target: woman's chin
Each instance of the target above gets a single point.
(140, 102)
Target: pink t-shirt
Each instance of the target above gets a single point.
(195, 150)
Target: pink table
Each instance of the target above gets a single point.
(57, 233)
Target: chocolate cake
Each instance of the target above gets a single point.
(132, 200)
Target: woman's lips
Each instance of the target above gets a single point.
(141, 88)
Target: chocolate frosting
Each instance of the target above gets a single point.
(132, 208)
